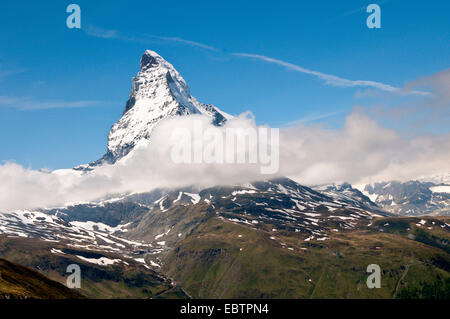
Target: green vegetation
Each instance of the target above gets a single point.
(440, 289)
(17, 282)
(218, 258)
(113, 281)
(227, 260)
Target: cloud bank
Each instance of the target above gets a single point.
(361, 152)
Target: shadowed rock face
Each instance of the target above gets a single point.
(147, 61)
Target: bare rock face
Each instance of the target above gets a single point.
(157, 92)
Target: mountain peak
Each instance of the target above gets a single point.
(149, 59)
(158, 92)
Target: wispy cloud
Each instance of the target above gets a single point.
(7, 72)
(333, 79)
(329, 79)
(432, 113)
(188, 42)
(355, 11)
(312, 118)
(26, 103)
(98, 32)
(438, 82)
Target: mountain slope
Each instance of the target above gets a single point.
(222, 259)
(103, 274)
(146, 227)
(18, 282)
(411, 198)
(266, 239)
(347, 192)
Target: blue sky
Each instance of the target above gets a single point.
(61, 89)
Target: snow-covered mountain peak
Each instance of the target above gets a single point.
(158, 91)
(149, 59)
(158, 87)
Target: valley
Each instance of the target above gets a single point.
(270, 239)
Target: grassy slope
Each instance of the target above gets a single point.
(210, 263)
(132, 281)
(21, 282)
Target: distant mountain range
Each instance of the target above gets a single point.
(412, 198)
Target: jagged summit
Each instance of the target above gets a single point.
(158, 91)
(149, 59)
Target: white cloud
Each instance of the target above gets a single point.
(333, 79)
(431, 112)
(99, 32)
(313, 118)
(26, 103)
(8, 72)
(329, 79)
(438, 82)
(360, 152)
(188, 42)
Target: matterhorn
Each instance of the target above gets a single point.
(157, 92)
